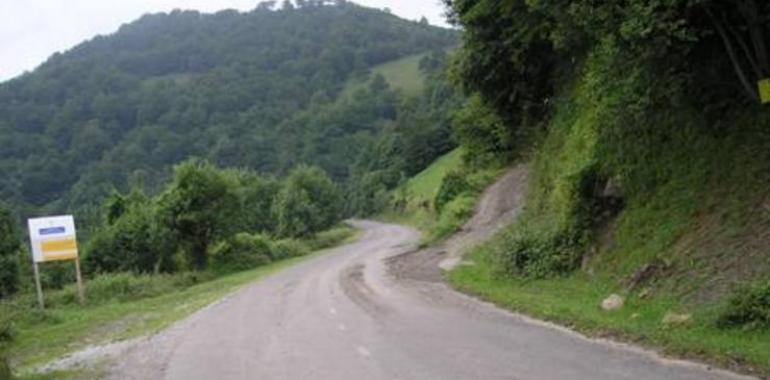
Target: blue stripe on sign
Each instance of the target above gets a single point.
(51, 230)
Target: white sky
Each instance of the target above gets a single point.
(32, 30)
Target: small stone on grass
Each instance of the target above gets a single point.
(676, 319)
(613, 302)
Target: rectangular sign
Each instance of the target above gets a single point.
(53, 238)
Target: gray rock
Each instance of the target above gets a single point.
(613, 302)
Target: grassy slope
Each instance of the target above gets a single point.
(66, 328)
(403, 74)
(696, 202)
(420, 191)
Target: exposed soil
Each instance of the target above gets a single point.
(497, 207)
(723, 258)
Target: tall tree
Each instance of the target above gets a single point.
(199, 207)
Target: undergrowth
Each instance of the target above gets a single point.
(749, 307)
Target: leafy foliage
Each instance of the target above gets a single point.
(241, 252)
(250, 90)
(452, 216)
(133, 238)
(286, 248)
(487, 139)
(612, 90)
(539, 253)
(749, 307)
(453, 185)
(518, 53)
(308, 202)
(199, 207)
(208, 213)
(10, 245)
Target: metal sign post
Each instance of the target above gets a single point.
(79, 279)
(54, 239)
(39, 287)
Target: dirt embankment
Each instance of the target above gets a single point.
(498, 206)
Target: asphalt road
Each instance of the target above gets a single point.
(345, 315)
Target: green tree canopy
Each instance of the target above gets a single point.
(308, 202)
(199, 207)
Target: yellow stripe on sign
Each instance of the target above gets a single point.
(61, 255)
(53, 246)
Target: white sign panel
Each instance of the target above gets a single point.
(53, 238)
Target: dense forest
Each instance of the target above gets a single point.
(257, 90)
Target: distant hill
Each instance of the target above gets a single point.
(119, 110)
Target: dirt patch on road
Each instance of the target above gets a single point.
(422, 265)
(500, 204)
(356, 289)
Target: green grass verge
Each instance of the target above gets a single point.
(402, 74)
(42, 337)
(575, 301)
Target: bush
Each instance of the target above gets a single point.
(309, 201)
(535, 253)
(9, 274)
(200, 206)
(749, 307)
(487, 140)
(241, 252)
(256, 195)
(453, 215)
(453, 185)
(329, 238)
(133, 240)
(288, 248)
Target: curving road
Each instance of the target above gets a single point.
(346, 315)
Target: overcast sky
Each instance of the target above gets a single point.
(32, 30)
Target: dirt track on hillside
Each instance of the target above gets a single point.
(498, 206)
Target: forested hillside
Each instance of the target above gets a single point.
(256, 90)
(649, 156)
